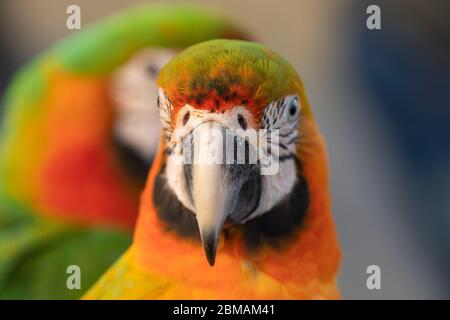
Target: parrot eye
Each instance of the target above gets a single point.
(152, 70)
(292, 108)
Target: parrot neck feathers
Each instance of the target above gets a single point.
(280, 222)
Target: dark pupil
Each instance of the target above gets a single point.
(292, 109)
(152, 70)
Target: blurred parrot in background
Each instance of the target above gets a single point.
(80, 130)
(268, 236)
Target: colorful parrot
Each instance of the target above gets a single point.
(79, 132)
(268, 236)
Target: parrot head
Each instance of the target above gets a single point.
(133, 89)
(214, 99)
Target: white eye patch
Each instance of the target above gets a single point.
(282, 113)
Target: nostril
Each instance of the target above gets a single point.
(242, 121)
(186, 117)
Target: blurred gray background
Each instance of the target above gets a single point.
(381, 99)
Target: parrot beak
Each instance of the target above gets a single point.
(217, 186)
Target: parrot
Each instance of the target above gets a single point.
(212, 226)
(79, 131)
